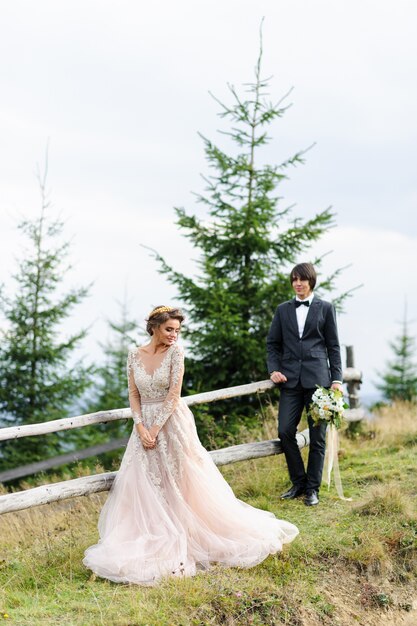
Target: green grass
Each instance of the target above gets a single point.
(353, 562)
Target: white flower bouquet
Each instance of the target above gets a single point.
(327, 405)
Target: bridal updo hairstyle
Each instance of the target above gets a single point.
(161, 314)
(304, 271)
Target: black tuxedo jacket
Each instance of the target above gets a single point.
(315, 358)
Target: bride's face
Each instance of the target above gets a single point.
(167, 333)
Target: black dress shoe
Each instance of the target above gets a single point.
(312, 498)
(294, 492)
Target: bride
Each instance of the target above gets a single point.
(170, 512)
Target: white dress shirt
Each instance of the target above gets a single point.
(302, 312)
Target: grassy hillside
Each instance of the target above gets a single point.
(353, 563)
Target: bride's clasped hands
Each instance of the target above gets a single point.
(147, 437)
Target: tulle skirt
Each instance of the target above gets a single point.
(171, 513)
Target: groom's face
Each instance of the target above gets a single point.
(301, 288)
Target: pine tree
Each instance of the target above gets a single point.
(400, 379)
(247, 245)
(111, 389)
(37, 383)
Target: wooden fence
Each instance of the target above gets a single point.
(102, 482)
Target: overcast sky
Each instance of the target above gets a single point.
(120, 90)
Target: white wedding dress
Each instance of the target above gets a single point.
(170, 512)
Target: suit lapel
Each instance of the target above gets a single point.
(312, 315)
(292, 317)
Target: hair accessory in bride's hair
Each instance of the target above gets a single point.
(160, 309)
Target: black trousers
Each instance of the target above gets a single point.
(291, 405)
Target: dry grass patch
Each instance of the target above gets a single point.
(394, 421)
(386, 500)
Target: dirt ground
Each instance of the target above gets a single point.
(363, 600)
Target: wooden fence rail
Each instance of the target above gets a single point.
(87, 485)
(62, 459)
(102, 482)
(27, 430)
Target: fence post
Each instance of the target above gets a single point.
(354, 429)
(352, 386)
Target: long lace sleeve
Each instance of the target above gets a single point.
(175, 384)
(134, 396)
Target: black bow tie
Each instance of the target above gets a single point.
(300, 302)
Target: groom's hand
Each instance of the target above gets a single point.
(337, 387)
(278, 377)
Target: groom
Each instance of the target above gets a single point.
(303, 351)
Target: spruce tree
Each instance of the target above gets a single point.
(37, 382)
(400, 379)
(111, 388)
(247, 244)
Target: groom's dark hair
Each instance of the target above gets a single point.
(304, 271)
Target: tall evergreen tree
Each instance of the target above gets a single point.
(247, 245)
(399, 382)
(111, 389)
(37, 383)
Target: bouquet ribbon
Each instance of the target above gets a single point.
(332, 460)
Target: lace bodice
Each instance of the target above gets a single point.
(164, 383)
